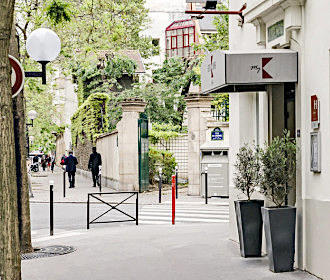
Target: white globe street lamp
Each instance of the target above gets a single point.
(43, 45)
(32, 115)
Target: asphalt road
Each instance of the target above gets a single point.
(73, 216)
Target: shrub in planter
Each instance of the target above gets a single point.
(278, 178)
(248, 212)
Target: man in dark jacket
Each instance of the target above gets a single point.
(71, 162)
(94, 162)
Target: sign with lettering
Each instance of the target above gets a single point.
(223, 68)
(315, 152)
(315, 111)
(217, 134)
(275, 31)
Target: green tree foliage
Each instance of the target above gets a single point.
(84, 28)
(248, 170)
(40, 98)
(58, 12)
(104, 76)
(161, 133)
(278, 168)
(221, 104)
(161, 159)
(220, 39)
(90, 120)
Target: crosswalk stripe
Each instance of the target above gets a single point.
(185, 213)
(177, 219)
(178, 214)
(188, 210)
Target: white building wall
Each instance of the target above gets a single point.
(162, 14)
(312, 42)
(67, 103)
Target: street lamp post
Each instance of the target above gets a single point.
(43, 45)
(32, 115)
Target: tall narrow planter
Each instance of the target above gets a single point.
(280, 227)
(249, 225)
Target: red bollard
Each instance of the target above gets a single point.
(173, 199)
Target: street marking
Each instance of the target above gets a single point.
(185, 213)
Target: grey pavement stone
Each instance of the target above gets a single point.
(162, 252)
(40, 188)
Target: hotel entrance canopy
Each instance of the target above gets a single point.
(239, 71)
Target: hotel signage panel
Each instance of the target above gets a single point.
(223, 68)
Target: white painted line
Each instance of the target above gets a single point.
(184, 219)
(46, 238)
(198, 203)
(217, 211)
(183, 215)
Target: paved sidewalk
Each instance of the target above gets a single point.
(40, 188)
(148, 252)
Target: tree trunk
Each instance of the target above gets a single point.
(21, 171)
(10, 265)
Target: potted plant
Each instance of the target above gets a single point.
(248, 212)
(278, 178)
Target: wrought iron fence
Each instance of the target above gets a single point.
(113, 206)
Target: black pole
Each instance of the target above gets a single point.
(206, 187)
(137, 209)
(160, 188)
(176, 182)
(88, 212)
(100, 182)
(64, 183)
(51, 207)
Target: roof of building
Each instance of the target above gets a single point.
(131, 54)
(178, 24)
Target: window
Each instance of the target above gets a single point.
(180, 36)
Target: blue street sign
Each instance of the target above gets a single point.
(217, 134)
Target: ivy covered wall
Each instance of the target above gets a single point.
(90, 120)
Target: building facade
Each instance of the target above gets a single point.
(259, 114)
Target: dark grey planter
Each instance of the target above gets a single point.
(280, 228)
(249, 225)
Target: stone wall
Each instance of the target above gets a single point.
(60, 149)
(82, 152)
(107, 146)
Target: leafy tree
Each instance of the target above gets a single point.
(247, 173)
(279, 168)
(221, 104)
(10, 262)
(220, 39)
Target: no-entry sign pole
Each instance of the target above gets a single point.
(173, 199)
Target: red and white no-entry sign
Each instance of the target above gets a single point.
(17, 76)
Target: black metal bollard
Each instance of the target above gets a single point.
(160, 186)
(88, 212)
(64, 183)
(176, 182)
(206, 187)
(137, 209)
(51, 207)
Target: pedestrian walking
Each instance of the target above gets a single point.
(43, 163)
(53, 163)
(94, 163)
(48, 159)
(71, 162)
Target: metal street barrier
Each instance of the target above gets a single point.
(64, 183)
(51, 207)
(113, 206)
(173, 199)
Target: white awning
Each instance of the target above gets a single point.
(236, 71)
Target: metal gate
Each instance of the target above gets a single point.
(143, 153)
